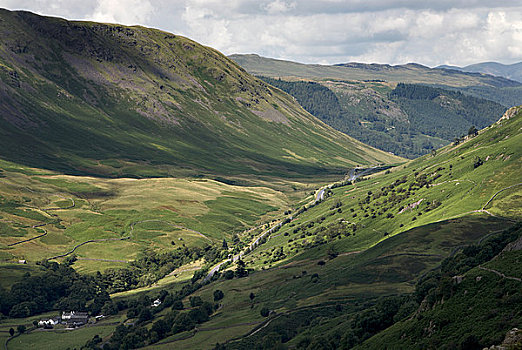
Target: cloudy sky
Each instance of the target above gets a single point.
(458, 32)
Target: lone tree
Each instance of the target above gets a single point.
(478, 162)
(240, 269)
(229, 274)
(473, 131)
(264, 312)
(20, 328)
(218, 295)
(11, 331)
(195, 301)
(252, 296)
(332, 252)
(70, 260)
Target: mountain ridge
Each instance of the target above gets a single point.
(510, 71)
(411, 72)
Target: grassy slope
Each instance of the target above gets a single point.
(348, 281)
(90, 98)
(483, 306)
(112, 208)
(454, 183)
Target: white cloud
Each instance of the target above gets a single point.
(279, 6)
(123, 11)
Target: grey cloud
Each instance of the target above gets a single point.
(311, 7)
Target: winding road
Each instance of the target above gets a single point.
(365, 171)
(238, 256)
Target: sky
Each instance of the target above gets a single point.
(435, 32)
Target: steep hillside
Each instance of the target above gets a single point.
(90, 98)
(470, 303)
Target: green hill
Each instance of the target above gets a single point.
(91, 98)
(367, 257)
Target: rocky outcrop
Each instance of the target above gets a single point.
(512, 341)
(510, 113)
(514, 246)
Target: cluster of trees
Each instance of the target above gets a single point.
(152, 266)
(442, 113)
(390, 196)
(59, 287)
(506, 96)
(149, 329)
(313, 97)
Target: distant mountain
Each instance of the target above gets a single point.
(509, 71)
(92, 98)
(409, 73)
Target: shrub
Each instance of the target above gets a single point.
(265, 312)
(229, 274)
(177, 305)
(195, 301)
(218, 295)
